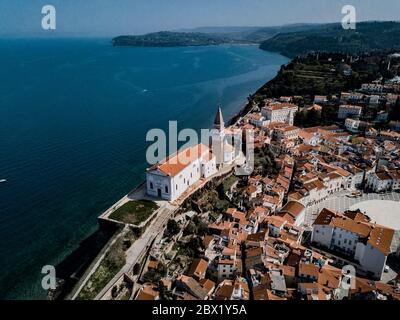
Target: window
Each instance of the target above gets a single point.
(176, 187)
(151, 185)
(349, 242)
(345, 241)
(166, 189)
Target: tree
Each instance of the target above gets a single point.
(328, 114)
(190, 229)
(313, 118)
(299, 118)
(173, 227)
(394, 114)
(114, 292)
(155, 275)
(152, 276)
(202, 228)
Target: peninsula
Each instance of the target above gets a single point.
(173, 39)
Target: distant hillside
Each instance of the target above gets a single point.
(170, 39)
(368, 36)
(208, 36)
(252, 34)
(265, 33)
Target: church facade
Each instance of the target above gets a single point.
(173, 176)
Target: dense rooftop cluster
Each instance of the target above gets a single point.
(261, 247)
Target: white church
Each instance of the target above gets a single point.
(170, 178)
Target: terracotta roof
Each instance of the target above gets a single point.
(381, 238)
(280, 106)
(254, 252)
(259, 236)
(207, 240)
(148, 292)
(224, 291)
(145, 296)
(193, 286)
(198, 268)
(207, 284)
(378, 236)
(343, 172)
(173, 165)
(276, 221)
(309, 270)
(293, 208)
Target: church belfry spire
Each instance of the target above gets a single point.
(219, 120)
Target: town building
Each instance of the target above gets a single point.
(351, 238)
(280, 112)
(170, 178)
(351, 111)
(372, 87)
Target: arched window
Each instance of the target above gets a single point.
(166, 189)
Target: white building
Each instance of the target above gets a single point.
(351, 96)
(320, 99)
(294, 212)
(285, 132)
(372, 87)
(352, 125)
(384, 181)
(379, 182)
(257, 120)
(280, 112)
(352, 239)
(374, 100)
(357, 178)
(170, 178)
(347, 110)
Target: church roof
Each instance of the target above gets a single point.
(174, 164)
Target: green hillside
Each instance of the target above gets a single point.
(368, 36)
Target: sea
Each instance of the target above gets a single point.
(74, 114)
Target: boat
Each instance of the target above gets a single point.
(3, 180)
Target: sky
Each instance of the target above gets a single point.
(115, 17)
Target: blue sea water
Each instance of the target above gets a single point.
(73, 118)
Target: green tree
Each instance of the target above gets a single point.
(190, 229)
(394, 114)
(172, 227)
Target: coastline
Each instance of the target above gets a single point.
(76, 264)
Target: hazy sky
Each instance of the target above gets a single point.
(113, 17)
